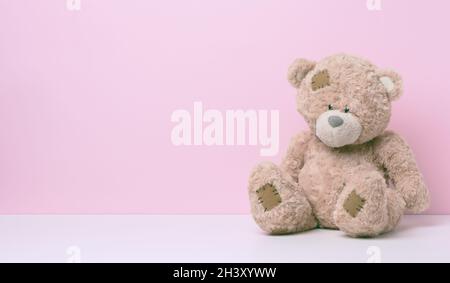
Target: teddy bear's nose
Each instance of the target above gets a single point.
(335, 121)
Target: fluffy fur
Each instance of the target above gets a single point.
(362, 188)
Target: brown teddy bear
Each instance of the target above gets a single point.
(347, 173)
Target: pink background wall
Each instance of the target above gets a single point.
(86, 97)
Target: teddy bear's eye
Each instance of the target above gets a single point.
(346, 109)
(330, 107)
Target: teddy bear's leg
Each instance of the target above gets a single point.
(367, 207)
(278, 204)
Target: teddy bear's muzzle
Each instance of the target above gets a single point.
(336, 129)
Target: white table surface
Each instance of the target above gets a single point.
(208, 238)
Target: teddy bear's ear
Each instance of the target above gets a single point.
(298, 71)
(392, 82)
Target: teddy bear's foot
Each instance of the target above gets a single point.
(278, 204)
(367, 207)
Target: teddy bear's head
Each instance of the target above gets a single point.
(344, 99)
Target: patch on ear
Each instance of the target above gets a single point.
(392, 82)
(320, 80)
(298, 71)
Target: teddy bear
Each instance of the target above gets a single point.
(347, 172)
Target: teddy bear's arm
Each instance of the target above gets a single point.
(394, 154)
(294, 159)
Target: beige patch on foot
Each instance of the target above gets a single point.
(268, 197)
(354, 203)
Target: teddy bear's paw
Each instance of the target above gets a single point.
(362, 207)
(268, 197)
(267, 188)
(278, 204)
(282, 212)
